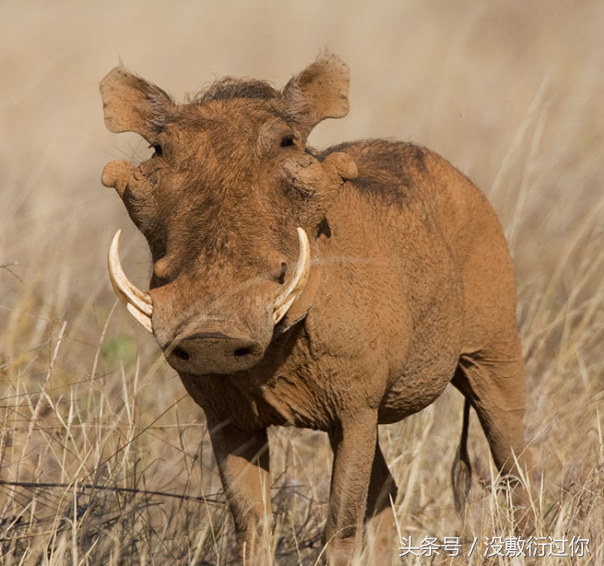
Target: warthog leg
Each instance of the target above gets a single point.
(243, 461)
(352, 469)
(381, 530)
(495, 387)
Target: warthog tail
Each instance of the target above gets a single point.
(461, 472)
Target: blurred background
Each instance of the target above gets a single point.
(508, 91)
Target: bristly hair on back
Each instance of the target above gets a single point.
(230, 87)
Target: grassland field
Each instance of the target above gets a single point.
(508, 91)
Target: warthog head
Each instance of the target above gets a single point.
(230, 204)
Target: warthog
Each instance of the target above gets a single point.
(334, 290)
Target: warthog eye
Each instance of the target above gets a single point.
(282, 274)
(157, 148)
(288, 140)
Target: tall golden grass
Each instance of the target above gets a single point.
(509, 91)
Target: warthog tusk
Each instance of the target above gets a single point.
(137, 302)
(285, 299)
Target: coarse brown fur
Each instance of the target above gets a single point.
(411, 286)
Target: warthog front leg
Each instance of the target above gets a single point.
(353, 443)
(381, 532)
(243, 461)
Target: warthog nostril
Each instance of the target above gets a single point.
(212, 352)
(180, 353)
(243, 352)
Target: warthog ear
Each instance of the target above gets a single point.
(319, 92)
(131, 104)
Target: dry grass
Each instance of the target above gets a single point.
(511, 92)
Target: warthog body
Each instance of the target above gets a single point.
(409, 286)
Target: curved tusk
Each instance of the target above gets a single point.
(286, 298)
(138, 302)
(140, 317)
(282, 310)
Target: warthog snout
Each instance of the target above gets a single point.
(213, 352)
